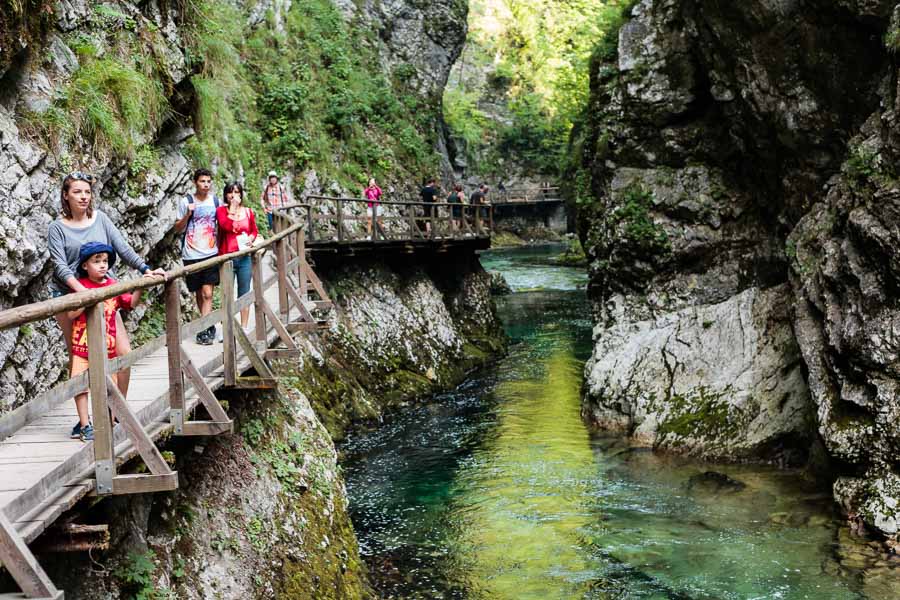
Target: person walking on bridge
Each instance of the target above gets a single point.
(428, 194)
(79, 224)
(373, 209)
(237, 231)
(479, 198)
(197, 222)
(457, 197)
(273, 196)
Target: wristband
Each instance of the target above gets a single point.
(144, 268)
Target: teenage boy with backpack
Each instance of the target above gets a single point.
(197, 220)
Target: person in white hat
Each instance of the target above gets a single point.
(273, 196)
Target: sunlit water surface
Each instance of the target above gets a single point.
(497, 490)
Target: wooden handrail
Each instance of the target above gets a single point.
(21, 315)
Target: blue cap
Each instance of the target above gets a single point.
(92, 248)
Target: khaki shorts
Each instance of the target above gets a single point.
(80, 365)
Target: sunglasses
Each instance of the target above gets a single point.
(79, 176)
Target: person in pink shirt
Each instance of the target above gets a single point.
(373, 195)
(237, 231)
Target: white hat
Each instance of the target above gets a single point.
(273, 174)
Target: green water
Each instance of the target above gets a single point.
(498, 490)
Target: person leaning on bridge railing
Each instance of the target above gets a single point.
(96, 260)
(79, 224)
(237, 231)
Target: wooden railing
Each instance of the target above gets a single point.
(294, 279)
(527, 195)
(337, 219)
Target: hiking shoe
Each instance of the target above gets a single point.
(87, 433)
(204, 339)
(76, 431)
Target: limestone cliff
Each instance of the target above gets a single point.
(736, 152)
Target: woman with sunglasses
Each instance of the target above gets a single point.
(80, 223)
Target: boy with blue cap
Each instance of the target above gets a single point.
(94, 262)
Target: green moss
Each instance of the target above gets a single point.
(700, 414)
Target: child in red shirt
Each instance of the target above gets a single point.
(95, 260)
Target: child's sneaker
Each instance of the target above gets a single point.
(76, 431)
(87, 433)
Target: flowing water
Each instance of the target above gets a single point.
(498, 490)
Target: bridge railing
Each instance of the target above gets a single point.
(336, 219)
(527, 195)
(98, 459)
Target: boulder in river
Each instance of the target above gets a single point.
(713, 482)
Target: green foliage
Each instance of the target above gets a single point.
(635, 224)
(136, 575)
(892, 38)
(151, 326)
(540, 67)
(463, 116)
(109, 103)
(613, 17)
(862, 163)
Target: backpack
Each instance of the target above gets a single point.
(190, 198)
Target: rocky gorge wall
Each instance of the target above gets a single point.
(742, 237)
(262, 513)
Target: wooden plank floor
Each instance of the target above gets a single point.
(43, 473)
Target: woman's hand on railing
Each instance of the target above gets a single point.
(158, 272)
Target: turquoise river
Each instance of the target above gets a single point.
(499, 490)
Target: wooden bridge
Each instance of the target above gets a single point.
(43, 473)
(535, 195)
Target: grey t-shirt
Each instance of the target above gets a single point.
(199, 240)
(65, 242)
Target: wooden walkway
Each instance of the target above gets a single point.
(43, 473)
(521, 196)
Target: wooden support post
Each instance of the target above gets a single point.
(262, 369)
(305, 316)
(299, 251)
(258, 297)
(301, 271)
(311, 234)
(281, 266)
(491, 219)
(22, 564)
(173, 348)
(478, 219)
(340, 219)
(279, 326)
(139, 438)
(104, 452)
(220, 423)
(413, 230)
(316, 282)
(226, 281)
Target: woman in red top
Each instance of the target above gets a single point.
(237, 231)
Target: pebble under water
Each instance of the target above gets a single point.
(498, 489)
